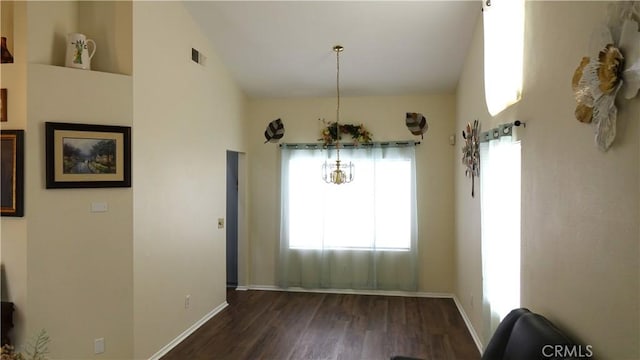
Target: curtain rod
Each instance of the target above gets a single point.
(501, 130)
(351, 145)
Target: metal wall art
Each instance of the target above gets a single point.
(417, 124)
(613, 65)
(275, 131)
(471, 152)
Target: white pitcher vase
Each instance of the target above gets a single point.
(78, 55)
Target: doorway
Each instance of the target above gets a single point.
(232, 219)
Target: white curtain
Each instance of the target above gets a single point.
(361, 235)
(500, 214)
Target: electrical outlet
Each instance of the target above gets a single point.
(99, 207)
(187, 301)
(98, 346)
(220, 223)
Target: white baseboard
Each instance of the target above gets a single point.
(162, 352)
(242, 288)
(353, 292)
(470, 327)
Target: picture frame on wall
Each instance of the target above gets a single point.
(12, 173)
(87, 155)
(3, 105)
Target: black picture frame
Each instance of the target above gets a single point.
(87, 155)
(12, 173)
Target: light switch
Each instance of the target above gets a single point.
(99, 207)
(220, 223)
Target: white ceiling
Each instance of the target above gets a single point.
(284, 49)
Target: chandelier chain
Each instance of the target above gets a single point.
(335, 173)
(338, 87)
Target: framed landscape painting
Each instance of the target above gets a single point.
(12, 172)
(87, 156)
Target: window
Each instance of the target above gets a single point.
(503, 52)
(500, 215)
(374, 214)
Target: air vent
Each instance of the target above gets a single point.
(198, 57)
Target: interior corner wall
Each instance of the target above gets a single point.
(384, 116)
(96, 19)
(470, 106)
(13, 230)
(6, 23)
(58, 268)
(49, 22)
(580, 206)
(186, 116)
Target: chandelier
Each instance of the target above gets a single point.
(335, 173)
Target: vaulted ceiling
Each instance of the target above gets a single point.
(284, 48)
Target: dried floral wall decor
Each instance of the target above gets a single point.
(471, 152)
(358, 133)
(613, 65)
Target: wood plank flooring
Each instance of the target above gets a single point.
(292, 325)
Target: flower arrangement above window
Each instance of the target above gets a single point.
(358, 133)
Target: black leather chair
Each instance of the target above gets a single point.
(524, 335)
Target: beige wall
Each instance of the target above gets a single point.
(109, 24)
(186, 116)
(470, 106)
(579, 206)
(68, 271)
(79, 263)
(385, 118)
(13, 230)
(80, 281)
(48, 23)
(6, 23)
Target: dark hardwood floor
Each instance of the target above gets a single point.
(292, 325)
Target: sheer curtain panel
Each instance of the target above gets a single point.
(500, 217)
(361, 235)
